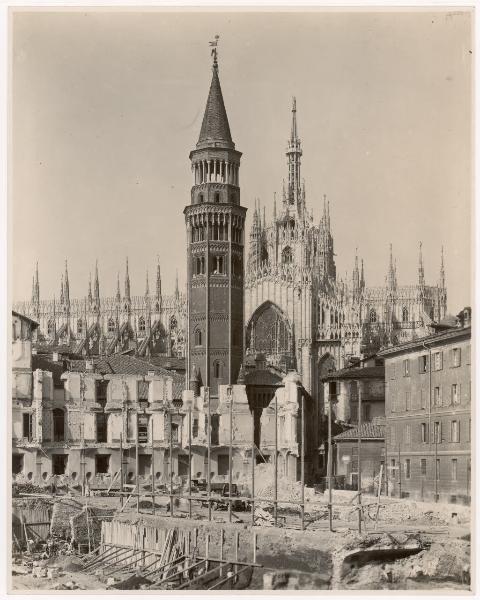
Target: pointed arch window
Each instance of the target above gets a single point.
(217, 197)
(50, 327)
(141, 325)
(218, 369)
(200, 198)
(79, 326)
(198, 337)
(404, 314)
(111, 326)
(173, 324)
(373, 316)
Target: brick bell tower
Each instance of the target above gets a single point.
(215, 224)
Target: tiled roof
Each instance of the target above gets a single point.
(25, 318)
(178, 384)
(122, 364)
(215, 125)
(372, 431)
(444, 336)
(119, 364)
(357, 373)
(262, 377)
(171, 363)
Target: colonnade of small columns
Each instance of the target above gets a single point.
(215, 171)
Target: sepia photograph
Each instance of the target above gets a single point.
(240, 299)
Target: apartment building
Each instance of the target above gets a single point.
(428, 414)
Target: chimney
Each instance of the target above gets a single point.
(151, 373)
(55, 356)
(89, 366)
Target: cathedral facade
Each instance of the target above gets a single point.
(300, 314)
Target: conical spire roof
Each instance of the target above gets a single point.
(215, 127)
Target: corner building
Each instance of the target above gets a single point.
(215, 223)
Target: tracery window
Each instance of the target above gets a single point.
(404, 314)
(373, 316)
(111, 326)
(287, 255)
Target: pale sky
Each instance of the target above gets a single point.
(107, 106)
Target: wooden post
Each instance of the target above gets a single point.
(207, 550)
(121, 470)
(171, 463)
(136, 466)
(209, 417)
(359, 476)
(190, 462)
(230, 459)
(275, 487)
(153, 469)
(253, 467)
(329, 462)
(237, 543)
(400, 473)
(254, 547)
(221, 551)
(302, 465)
(380, 476)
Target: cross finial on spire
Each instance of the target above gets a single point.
(214, 51)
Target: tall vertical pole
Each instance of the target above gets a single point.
(359, 477)
(386, 466)
(209, 458)
(230, 460)
(136, 466)
(329, 462)
(171, 463)
(121, 469)
(436, 430)
(302, 466)
(253, 467)
(190, 462)
(153, 469)
(275, 489)
(399, 473)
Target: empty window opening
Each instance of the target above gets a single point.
(102, 464)
(59, 463)
(17, 464)
(144, 465)
(58, 425)
(183, 465)
(101, 427)
(28, 426)
(143, 421)
(223, 463)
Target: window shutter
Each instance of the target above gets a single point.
(441, 361)
(458, 430)
(459, 356)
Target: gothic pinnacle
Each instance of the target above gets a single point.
(127, 282)
(159, 280)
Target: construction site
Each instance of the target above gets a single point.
(149, 538)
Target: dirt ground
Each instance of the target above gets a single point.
(314, 559)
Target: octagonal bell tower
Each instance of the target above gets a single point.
(215, 224)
